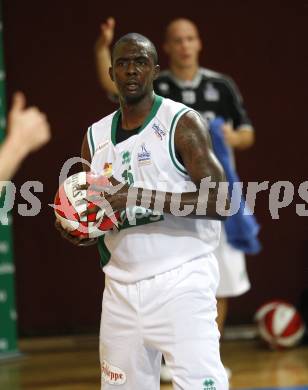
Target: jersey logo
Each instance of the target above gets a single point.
(211, 94)
(189, 97)
(107, 170)
(112, 374)
(209, 384)
(102, 146)
(158, 131)
(126, 156)
(144, 156)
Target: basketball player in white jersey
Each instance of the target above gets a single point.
(161, 274)
(211, 94)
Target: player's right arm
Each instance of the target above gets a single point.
(103, 57)
(85, 155)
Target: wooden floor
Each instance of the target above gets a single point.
(71, 363)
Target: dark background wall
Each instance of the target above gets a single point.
(49, 56)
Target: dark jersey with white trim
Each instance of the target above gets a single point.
(210, 93)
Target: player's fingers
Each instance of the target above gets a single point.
(114, 181)
(18, 102)
(87, 242)
(97, 188)
(111, 22)
(82, 187)
(90, 210)
(60, 229)
(58, 226)
(95, 198)
(73, 240)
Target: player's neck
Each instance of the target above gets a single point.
(134, 114)
(184, 74)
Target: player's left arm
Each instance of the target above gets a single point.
(239, 133)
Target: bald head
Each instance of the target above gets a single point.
(134, 67)
(182, 45)
(138, 39)
(180, 25)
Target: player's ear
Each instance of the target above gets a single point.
(156, 71)
(111, 73)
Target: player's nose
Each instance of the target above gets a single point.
(131, 68)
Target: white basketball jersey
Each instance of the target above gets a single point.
(148, 243)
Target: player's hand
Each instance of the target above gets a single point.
(72, 239)
(110, 198)
(27, 127)
(118, 196)
(231, 136)
(107, 32)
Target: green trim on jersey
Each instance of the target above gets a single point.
(91, 143)
(115, 120)
(114, 126)
(180, 167)
(103, 251)
(157, 103)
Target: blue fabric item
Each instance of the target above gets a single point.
(241, 230)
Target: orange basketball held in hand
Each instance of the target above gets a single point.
(71, 201)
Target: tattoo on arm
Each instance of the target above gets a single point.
(194, 145)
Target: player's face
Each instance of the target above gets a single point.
(133, 70)
(183, 44)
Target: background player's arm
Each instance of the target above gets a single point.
(28, 130)
(239, 134)
(192, 142)
(242, 138)
(103, 57)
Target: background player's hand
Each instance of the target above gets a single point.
(27, 127)
(72, 239)
(107, 32)
(231, 136)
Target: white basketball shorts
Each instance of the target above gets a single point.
(232, 269)
(172, 313)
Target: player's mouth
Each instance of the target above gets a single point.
(186, 56)
(132, 85)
